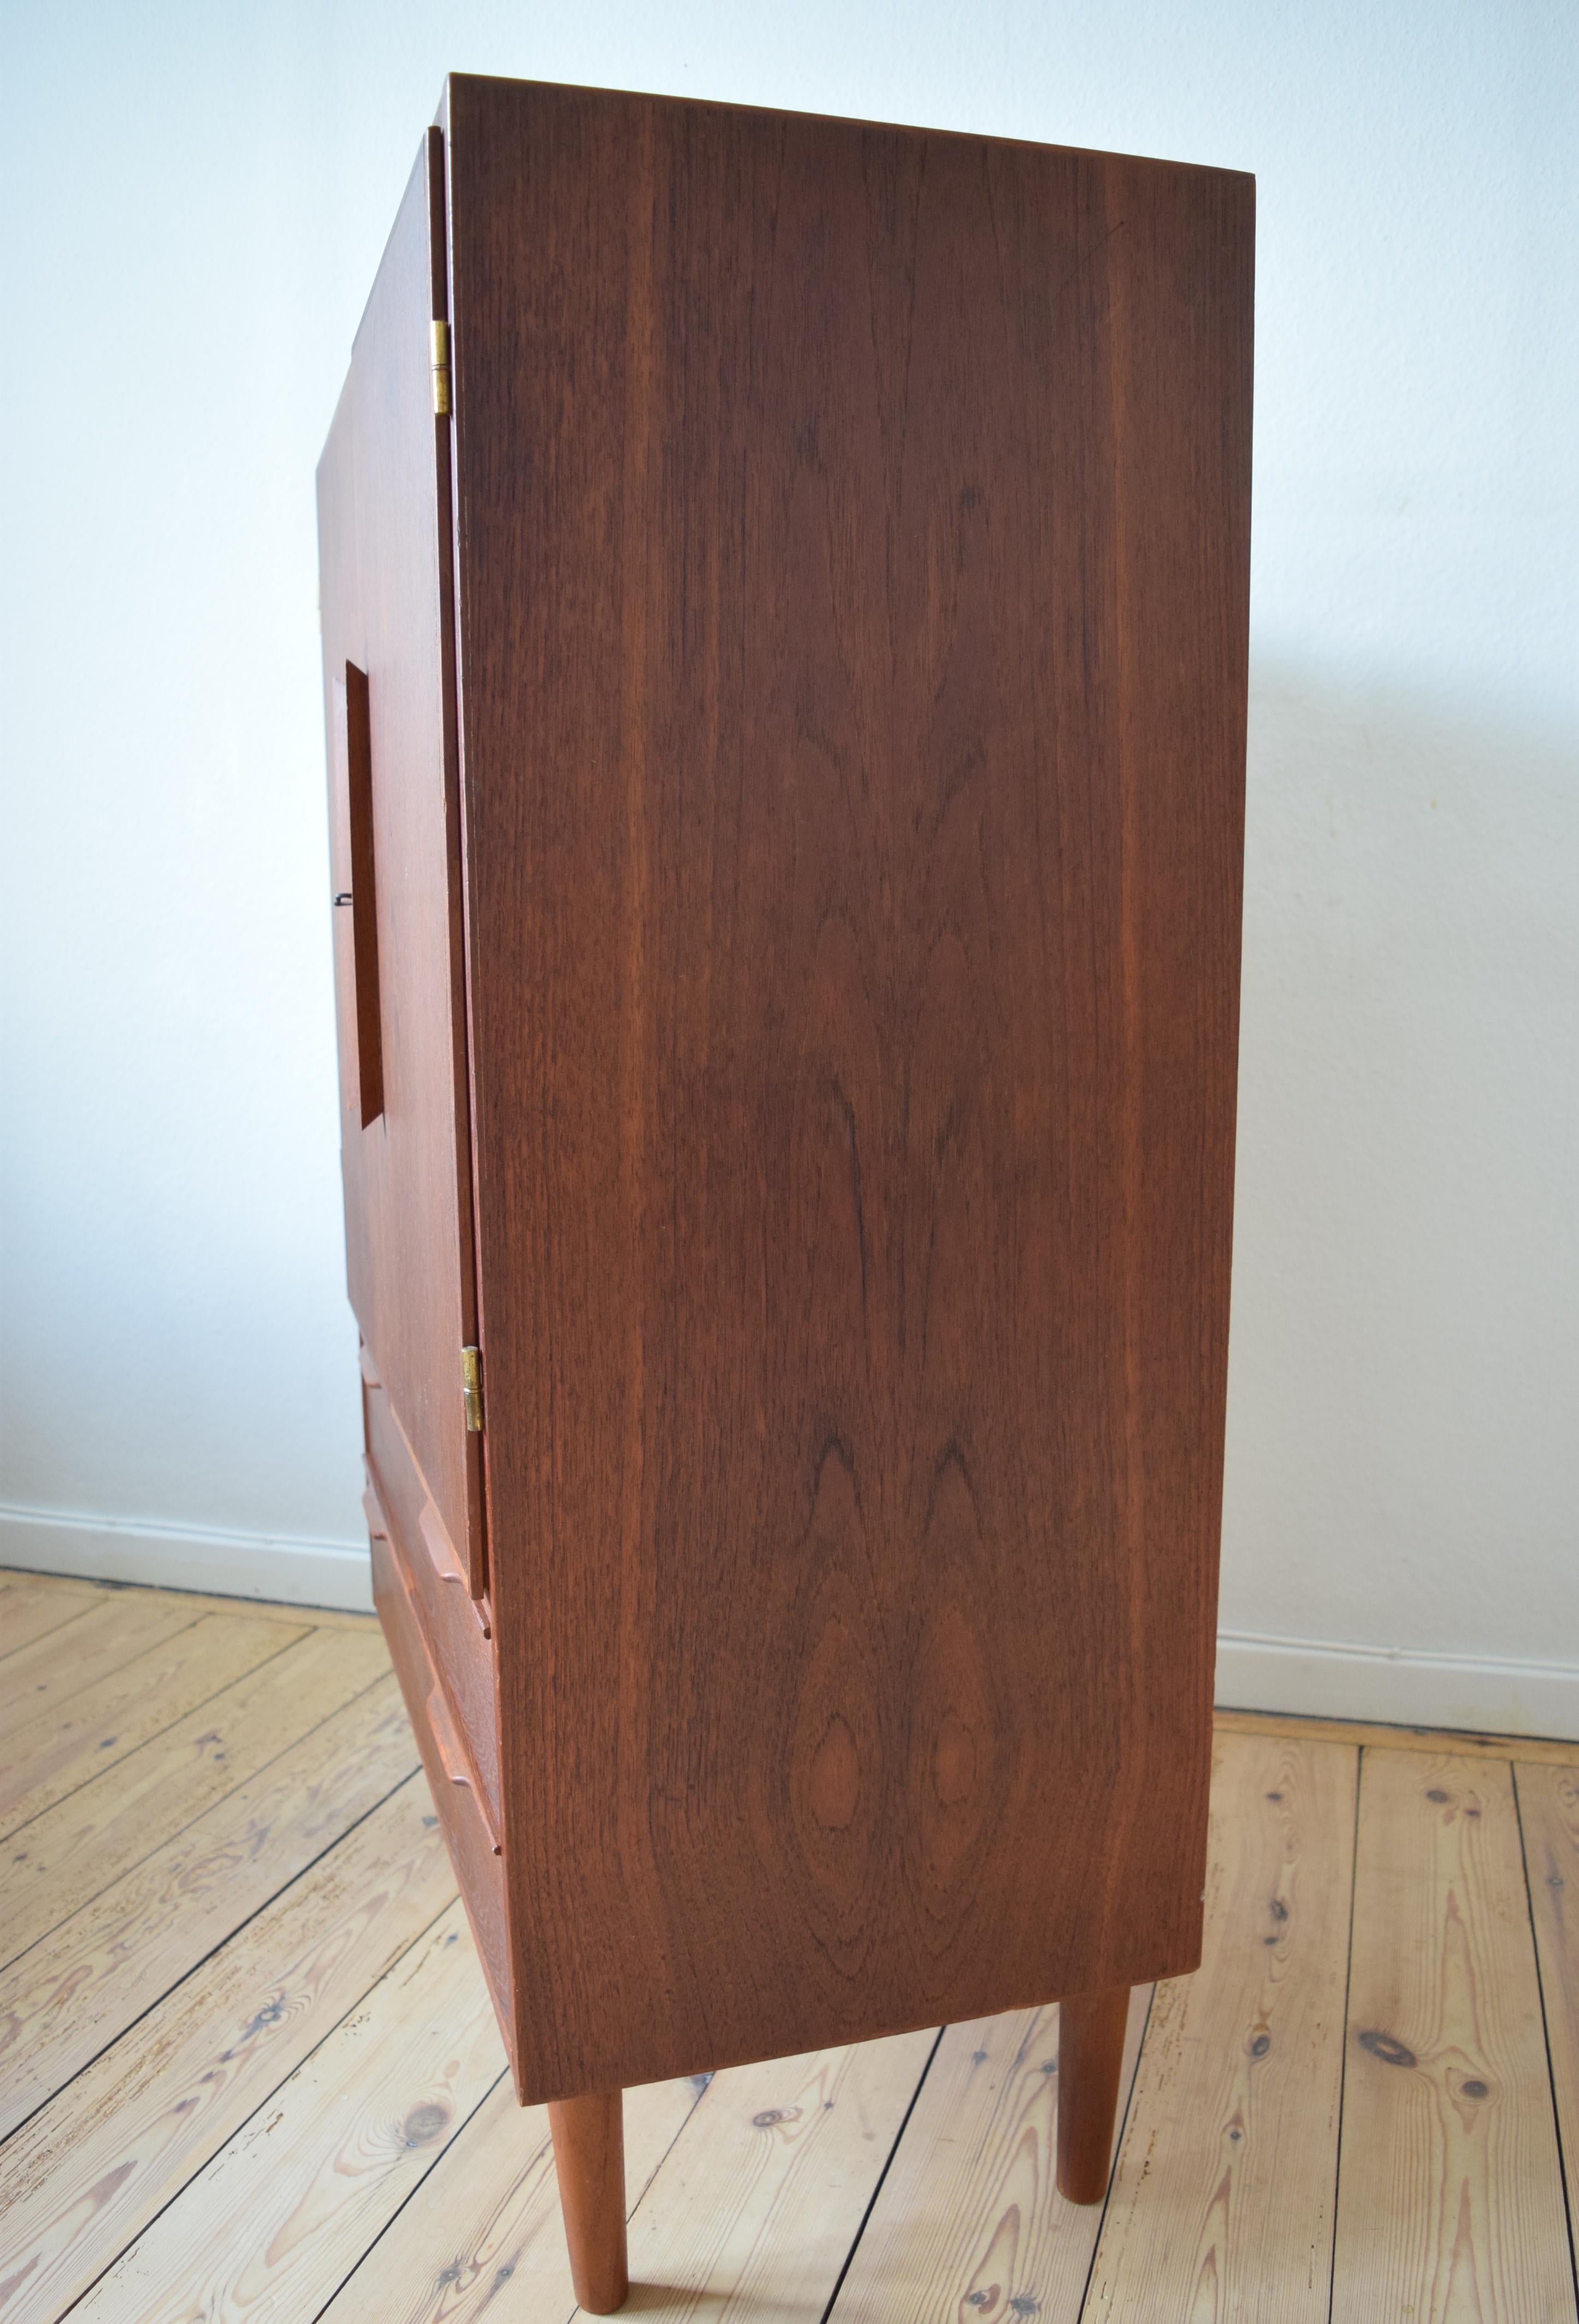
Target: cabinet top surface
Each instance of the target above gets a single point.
(856, 123)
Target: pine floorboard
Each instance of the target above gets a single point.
(248, 2070)
(1450, 2177)
(1221, 2203)
(58, 1751)
(29, 1609)
(968, 2218)
(71, 1851)
(1549, 1810)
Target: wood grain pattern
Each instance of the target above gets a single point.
(61, 2002)
(73, 1850)
(60, 1749)
(588, 2137)
(40, 1677)
(273, 2226)
(1092, 2027)
(1221, 2203)
(483, 2236)
(968, 2221)
(753, 2210)
(385, 582)
(85, 2175)
(1548, 1812)
(852, 552)
(29, 1609)
(1449, 2173)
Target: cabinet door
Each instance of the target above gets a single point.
(389, 690)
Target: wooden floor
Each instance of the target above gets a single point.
(248, 2069)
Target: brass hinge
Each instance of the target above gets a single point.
(471, 1381)
(438, 351)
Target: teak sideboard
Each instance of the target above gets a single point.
(784, 598)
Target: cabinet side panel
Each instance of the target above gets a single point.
(852, 553)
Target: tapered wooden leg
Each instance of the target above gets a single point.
(1090, 2052)
(589, 2157)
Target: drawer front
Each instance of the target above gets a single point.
(473, 1851)
(450, 1620)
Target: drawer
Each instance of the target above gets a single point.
(451, 1623)
(473, 1851)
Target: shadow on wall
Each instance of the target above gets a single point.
(1402, 1461)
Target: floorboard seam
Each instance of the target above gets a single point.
(1332, 2256)
(201, 1705)
(690, 2117)
(218, 1800)
(114, 1670)
(461, 2128)
(1546, 2033)
(229, 1938)
(1123, 2123)
(269, 2096)
(882, 2175)
(6, 1651)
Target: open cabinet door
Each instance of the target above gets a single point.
(383, 494)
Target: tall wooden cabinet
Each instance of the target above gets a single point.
(784, 612)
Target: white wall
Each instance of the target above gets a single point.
(202, 193)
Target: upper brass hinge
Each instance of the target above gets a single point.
(438, 352)
(471, 1381)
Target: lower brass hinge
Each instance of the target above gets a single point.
(471, 1381)
(438, 352)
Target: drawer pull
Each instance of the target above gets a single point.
(439, 1548)
(446, 1564)
(451, 1758)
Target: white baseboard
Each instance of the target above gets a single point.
(1325, 1680)
(1319, 1678)
(334, 1574)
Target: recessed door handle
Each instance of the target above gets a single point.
(354, 740)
